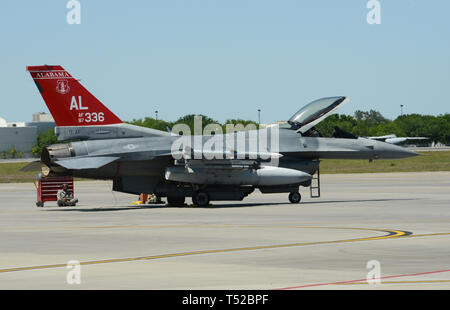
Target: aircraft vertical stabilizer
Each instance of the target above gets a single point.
(68, 101)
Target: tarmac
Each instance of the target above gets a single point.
(391, 227)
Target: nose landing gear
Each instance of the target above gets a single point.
(295, 197)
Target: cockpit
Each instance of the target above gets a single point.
(312, 113)
(306, 118)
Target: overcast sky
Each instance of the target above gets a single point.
(228, 58)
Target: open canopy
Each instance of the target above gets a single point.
(314, 112)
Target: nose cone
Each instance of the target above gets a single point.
(389, 151)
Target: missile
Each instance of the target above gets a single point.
(190, 153)
(264, 176)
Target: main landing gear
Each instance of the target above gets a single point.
(295, 197)
(200, 198)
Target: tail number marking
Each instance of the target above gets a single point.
(76, 105)
(87, 117)
(91, 117)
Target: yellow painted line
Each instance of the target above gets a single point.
(390, 234)
(428, 235)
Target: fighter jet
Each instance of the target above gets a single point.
(208, 167)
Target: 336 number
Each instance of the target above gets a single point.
(94, 117)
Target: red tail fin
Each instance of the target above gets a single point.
(68, 101)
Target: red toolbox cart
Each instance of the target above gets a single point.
(47, 187)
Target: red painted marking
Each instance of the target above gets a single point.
(68, 101)
(361, 280)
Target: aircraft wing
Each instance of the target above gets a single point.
(33, 166)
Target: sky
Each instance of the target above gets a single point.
(229, 58)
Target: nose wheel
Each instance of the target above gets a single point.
(200, 198)
(295, 197)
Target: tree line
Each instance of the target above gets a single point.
(189, 121)
(372, 123)
(362, 123)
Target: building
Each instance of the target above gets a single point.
(22, 136)
(42, 121)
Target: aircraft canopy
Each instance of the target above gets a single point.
(315, 112)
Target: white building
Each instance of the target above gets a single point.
(23, 135)
(42, 121)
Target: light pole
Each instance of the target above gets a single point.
(401, 110)
(156, 113)
(259, 116)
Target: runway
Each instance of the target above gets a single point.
(400, 220)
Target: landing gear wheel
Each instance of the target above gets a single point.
(200, 198)
(295, 197)
(175, 201)
(39, 204)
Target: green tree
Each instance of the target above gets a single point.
(44, 139)
(190, 118)
(13, 151)
(344, 122)
(372, 117)
(151, 122)
(372, 123)
(244, 123)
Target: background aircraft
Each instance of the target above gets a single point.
(141, 160)
(393, 139)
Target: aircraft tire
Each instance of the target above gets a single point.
(201, 198)
(194, 201)
(295, 197)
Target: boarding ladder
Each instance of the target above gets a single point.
(314, 188)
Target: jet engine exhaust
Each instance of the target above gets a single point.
(52, 152)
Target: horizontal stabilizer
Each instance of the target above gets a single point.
(86, 162)
(33, 166)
